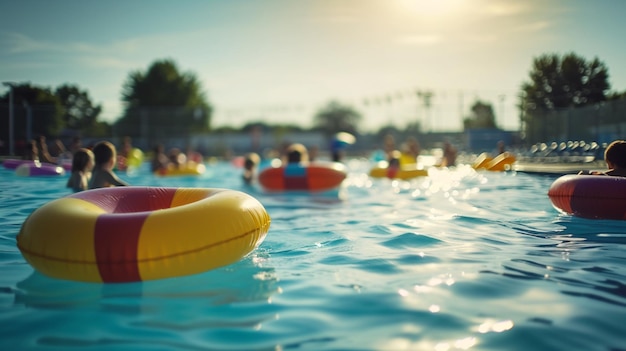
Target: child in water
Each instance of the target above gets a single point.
(82, 164)
(296, 153)
(250, 163)
(615, 158)
(105, 156)
(159, 159)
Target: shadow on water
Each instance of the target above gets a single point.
(245, 281)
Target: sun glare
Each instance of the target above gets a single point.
(432, 8)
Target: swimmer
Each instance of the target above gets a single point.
(449, 155)
(104, 156)
(82, 164)
(250, 164)
(615, 158)
(297, 153)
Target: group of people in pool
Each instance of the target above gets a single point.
(95, 168)
(37, 150)
(410, 150)
(614, 156)
(298, 153)
(175, 157)
(91, 167)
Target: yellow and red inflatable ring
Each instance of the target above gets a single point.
(590, 196)
(128, 234)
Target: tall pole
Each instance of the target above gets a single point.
(29, 121)
(11, 143)
(501, 97)
(461, 107)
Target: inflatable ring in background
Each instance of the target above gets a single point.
(12, 163)
(407, 159)
(403, 172)
(127, 234)
(187, 169)
(590, 196)
(314, 177)
(502, 162)
(481, 161)
(132, 160)
(35, 168)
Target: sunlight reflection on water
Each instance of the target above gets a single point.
(454, 261)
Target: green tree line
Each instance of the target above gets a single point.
(163, 101)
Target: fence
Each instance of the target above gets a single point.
(603, 123)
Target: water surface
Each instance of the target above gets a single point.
(458, 260)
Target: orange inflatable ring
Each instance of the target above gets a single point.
(590, 196)
(127, 234)
(314, 177)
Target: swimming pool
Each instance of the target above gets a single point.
(459, 260)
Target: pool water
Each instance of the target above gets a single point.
(458, 260)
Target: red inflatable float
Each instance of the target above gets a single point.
(314, 177)
(590, 196)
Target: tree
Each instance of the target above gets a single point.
(79, 112)
(163, 102)
(335, 117)
(37, 111)
(616, 95)
(482, 116)
(565, 82)
(413, 128)
(558, 83)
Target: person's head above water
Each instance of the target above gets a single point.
(615, 155)
(297, 153)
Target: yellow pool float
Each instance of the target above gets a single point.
(187, 169)
(502, 162)
(404, 172)
(407, 159)
(127, 234)
(133, 160)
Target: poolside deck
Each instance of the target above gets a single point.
(558, 168)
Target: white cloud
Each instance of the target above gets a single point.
(536, 26)
(18, 43)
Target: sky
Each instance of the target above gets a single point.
(281, 61)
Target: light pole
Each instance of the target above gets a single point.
(29, 121)
(11, 143)
(501, 97)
